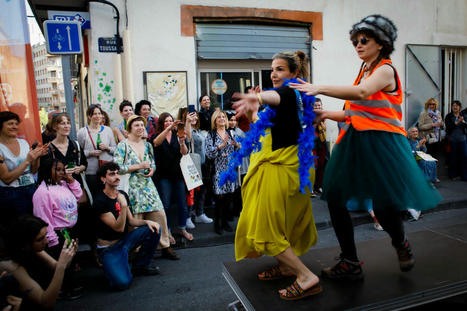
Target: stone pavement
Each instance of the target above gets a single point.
(454, 195)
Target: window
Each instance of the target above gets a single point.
(236, 82)
(53, 74)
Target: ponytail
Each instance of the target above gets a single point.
(302, 65)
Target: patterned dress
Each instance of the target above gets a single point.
(143, 194)
(221, 161)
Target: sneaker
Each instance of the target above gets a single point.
(406, 258)
(189, 223)
(169, 253)
(344, 269)
(414, 213)
(378, 226)
(146, 271)
(203, 219)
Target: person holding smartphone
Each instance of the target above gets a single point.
(169, 146)
(56, 202)
(18, 163)
(39, 276)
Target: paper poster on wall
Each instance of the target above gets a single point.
(167, 91)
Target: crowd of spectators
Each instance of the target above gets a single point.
(75, 187)
(441, 139)
(63, 190)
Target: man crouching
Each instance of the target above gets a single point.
(114, 240)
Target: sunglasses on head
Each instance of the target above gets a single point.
(363, 41)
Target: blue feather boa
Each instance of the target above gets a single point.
(251, 142)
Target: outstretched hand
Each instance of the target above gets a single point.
(319, 117)
(304, 86)
(245, 104)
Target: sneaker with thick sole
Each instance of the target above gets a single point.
(406, 258)
(344, 269)
(189, 223)
(203, 219)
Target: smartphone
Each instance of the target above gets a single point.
(67, 237)
(191, 108)
(34, 145)
(180, 129)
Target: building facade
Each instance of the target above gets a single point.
(49, 79)
(174, 51)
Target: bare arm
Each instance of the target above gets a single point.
(160, 138)
(47, 260)
(135, 222)
(338, 116)
(8, 176)
(119, 223)
(248, 104)
(188, 124)
(120, 135)
(32, 290)
(381, 79)
(183, 147)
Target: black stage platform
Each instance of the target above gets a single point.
(440, 272)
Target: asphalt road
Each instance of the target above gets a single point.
(196, 283)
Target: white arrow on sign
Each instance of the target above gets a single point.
(69, 37)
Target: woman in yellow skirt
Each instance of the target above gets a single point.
(277, 218)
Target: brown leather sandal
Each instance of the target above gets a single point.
(271, 274)
(295, 291)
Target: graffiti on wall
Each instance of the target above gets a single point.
(104, 91)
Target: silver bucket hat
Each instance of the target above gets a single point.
(382, 27)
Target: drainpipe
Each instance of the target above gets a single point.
(128, 89)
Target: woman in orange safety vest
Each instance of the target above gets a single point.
(372, 158)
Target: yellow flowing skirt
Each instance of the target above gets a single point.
(275, 214)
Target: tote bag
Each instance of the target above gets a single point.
(125, 178)
(196, 159)
(190, 172)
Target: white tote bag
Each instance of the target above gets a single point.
(190, 172)
(125, 178)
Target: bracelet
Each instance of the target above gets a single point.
(260, 99)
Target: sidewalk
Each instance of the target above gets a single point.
(454, 195)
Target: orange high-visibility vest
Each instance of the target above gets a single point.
(380, 111)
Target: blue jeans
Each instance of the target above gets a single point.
(114, 258)
(175, 189)
(16, 201)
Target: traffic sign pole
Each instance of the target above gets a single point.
(70, 105)
(64, 38)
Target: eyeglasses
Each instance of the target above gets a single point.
(363, 41)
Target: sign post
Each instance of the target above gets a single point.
(64, 38)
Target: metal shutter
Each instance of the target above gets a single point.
(235, 41)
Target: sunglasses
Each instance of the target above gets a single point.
(363, 41)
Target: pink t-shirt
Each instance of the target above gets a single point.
(57, 205)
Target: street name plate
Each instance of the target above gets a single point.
(108, 45)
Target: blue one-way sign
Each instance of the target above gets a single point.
(63, 37)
